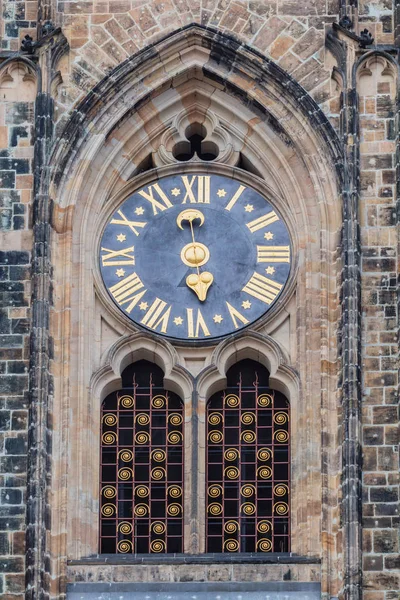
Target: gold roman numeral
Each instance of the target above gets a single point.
(118, 257)
(161, 204)
(263, 221)
(203, 189)
(131, 224)
(235, 197)
(127, 290)
(262, 288)
(235, 314)
(273, 254)
(157, 315)
(200, 324)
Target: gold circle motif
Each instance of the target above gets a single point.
(175, 437)
(215, 490)
(126, 401)
(141, 510)
(109, 419)
(174, 491)
(158, 455)
(109, 438)
(215, 419)
(264, 526)
(248, 436)
(143, 419)
(281, 436)
(142, 491)
(125, 474)
(264, 545)
(124, 546)
(126, 455)
(281, 508)
(231, 545)
(215, 437)
(248, 508)
(231, 454)
(215, 508)
(142, 438)
(248, 490)
(281, 489)
(232, 472)
(231, 526)
(280, 418)
(247, 418)
(108, 510)
(264, 472)
(109, 491)
(158, 473)
(157, 546)
(158, 401)
(158, 527)
(264, 454)
(264, 400)
(232, 400)
(195, 254)
(125, 528)
(175, 419)
(174, 509)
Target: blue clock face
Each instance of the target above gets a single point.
(195, 257)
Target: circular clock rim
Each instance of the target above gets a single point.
(251, 180)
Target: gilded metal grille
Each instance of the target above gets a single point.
(141, 479)
(248, 466)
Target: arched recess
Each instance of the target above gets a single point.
(268, 118)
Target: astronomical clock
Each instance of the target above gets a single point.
(195, 257)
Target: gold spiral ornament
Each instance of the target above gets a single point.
(281, 508)
(281, 436)
(248, 508)
(142, 438)
(141, 510)
(215, 509)
(157, 546)
(264, 472)
(158, 401)
(109, 491)
(108, 510)
(264, 526)
(232, 400)
(264, 400)
(175, 491)
(175, 437)
(215, 490)
(158, 455)
(280, 418)
(175, 419)
(264, 454)
(174, 510)
(264, 545)
(281, 489)
(231, 526)
(215, 419)
(142, 491)
(125, 455)
(125, 528)
(124, 546)
(126, 402)
(248, 436)
(232, 472)
(231, 454)
(215, 437)
(143, 419)
(110, 419)
(248, 490)
(125, 474)
(247, 418)
(109, 438)
(231, 545)
(158, 473)
(158, 527)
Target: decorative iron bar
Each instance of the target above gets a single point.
(248, 470)
(141, 478)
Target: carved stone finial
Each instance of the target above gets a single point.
(346, 22)
(365, 38)
(27, 44)
(47, 28)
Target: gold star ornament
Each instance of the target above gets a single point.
(120, 272)
(270, 270)
(121, 237)
(143, 306)
(178, 320)
(269, 235)
(249, 208)
(221, 193)
(246, 304)
(175, 192)
(139, 210)
(217, 318)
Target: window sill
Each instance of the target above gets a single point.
(197, 559)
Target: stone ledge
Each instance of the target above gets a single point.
(195, 559)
